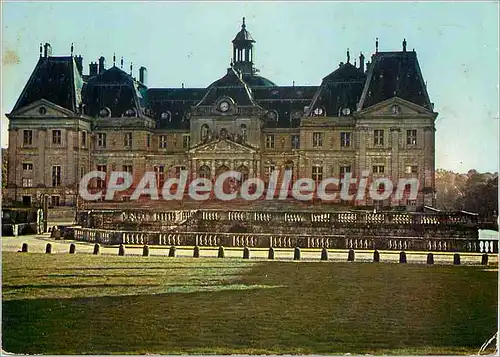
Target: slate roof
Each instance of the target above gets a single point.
(395, 74)
(113, 89)
(55, 79)
(340, 89)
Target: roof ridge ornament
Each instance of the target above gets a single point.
(71, 49)
(348, 56)
(243, 26)
(114, 59)
(376, 45)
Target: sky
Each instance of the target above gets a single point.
(301, 42)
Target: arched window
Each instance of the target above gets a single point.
(223, 133)
(244, 172)
(204, 132)
(243, 132)
(204, 172)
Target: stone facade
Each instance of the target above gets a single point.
(378, 119)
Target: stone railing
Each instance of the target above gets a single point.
(101, 218)
(266, 240)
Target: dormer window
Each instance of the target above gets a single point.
(130, 113)
(346, 111)
(166, 116)
(105, 112)
(319, 111)
(273, 115)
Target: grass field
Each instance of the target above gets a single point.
(67, 304)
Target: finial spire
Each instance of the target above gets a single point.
(243, 24)
(114, 59)
(376, 45)
(41, 49)
(404, 45)
(348, 56)
(121, 63)
(71, 49)
(130, 68)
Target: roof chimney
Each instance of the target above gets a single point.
(404, 45)
(92, 69)
(361, 62)
(79, 64)
(47, 50)
(143, 73)
(102, 67)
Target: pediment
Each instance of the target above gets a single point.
(396, 107)
(42, 109)
(222, 146)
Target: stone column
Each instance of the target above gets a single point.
(43, 171)
(429, 165)
(394, 141)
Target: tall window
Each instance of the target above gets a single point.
(204, 132)
(378, 137)
(268, 170)
(378, 169)
(56, 137)
(84, 138)
(101, 140)
(127, 168)
(27, 182)
(163, 142)
(295, 142)
(148, 140)
(243, 129)
(186, 141)
(317, 173)
(411, 137)
(411, 169)
(269, 141)
(27, 137)
(344, 170)
(318, 140)
(160, 175)
(100, 182)
(127, 140)
(56, 176)
(345, 139)
(27, 166)
(55, 200)
(82, 171)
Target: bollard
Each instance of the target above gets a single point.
(484, 259)
(456, 259)
(145, 251)
(196, 252)
(48, 248)
(430, 258)
(221, 252)
(324, 254)
(171, 252)
(24, 248)
(246, 253)
(121, 250)
(296, 253)
(97, 247)
(376, 256)
(402, 257)
(72, 248)
(350, 255)
(271, 253)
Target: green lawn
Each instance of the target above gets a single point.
(84, 304)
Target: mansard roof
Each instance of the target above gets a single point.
(116, 90)
(340, 89)
(55, 79)
(395, 74)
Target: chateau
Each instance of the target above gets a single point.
(374, 116)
